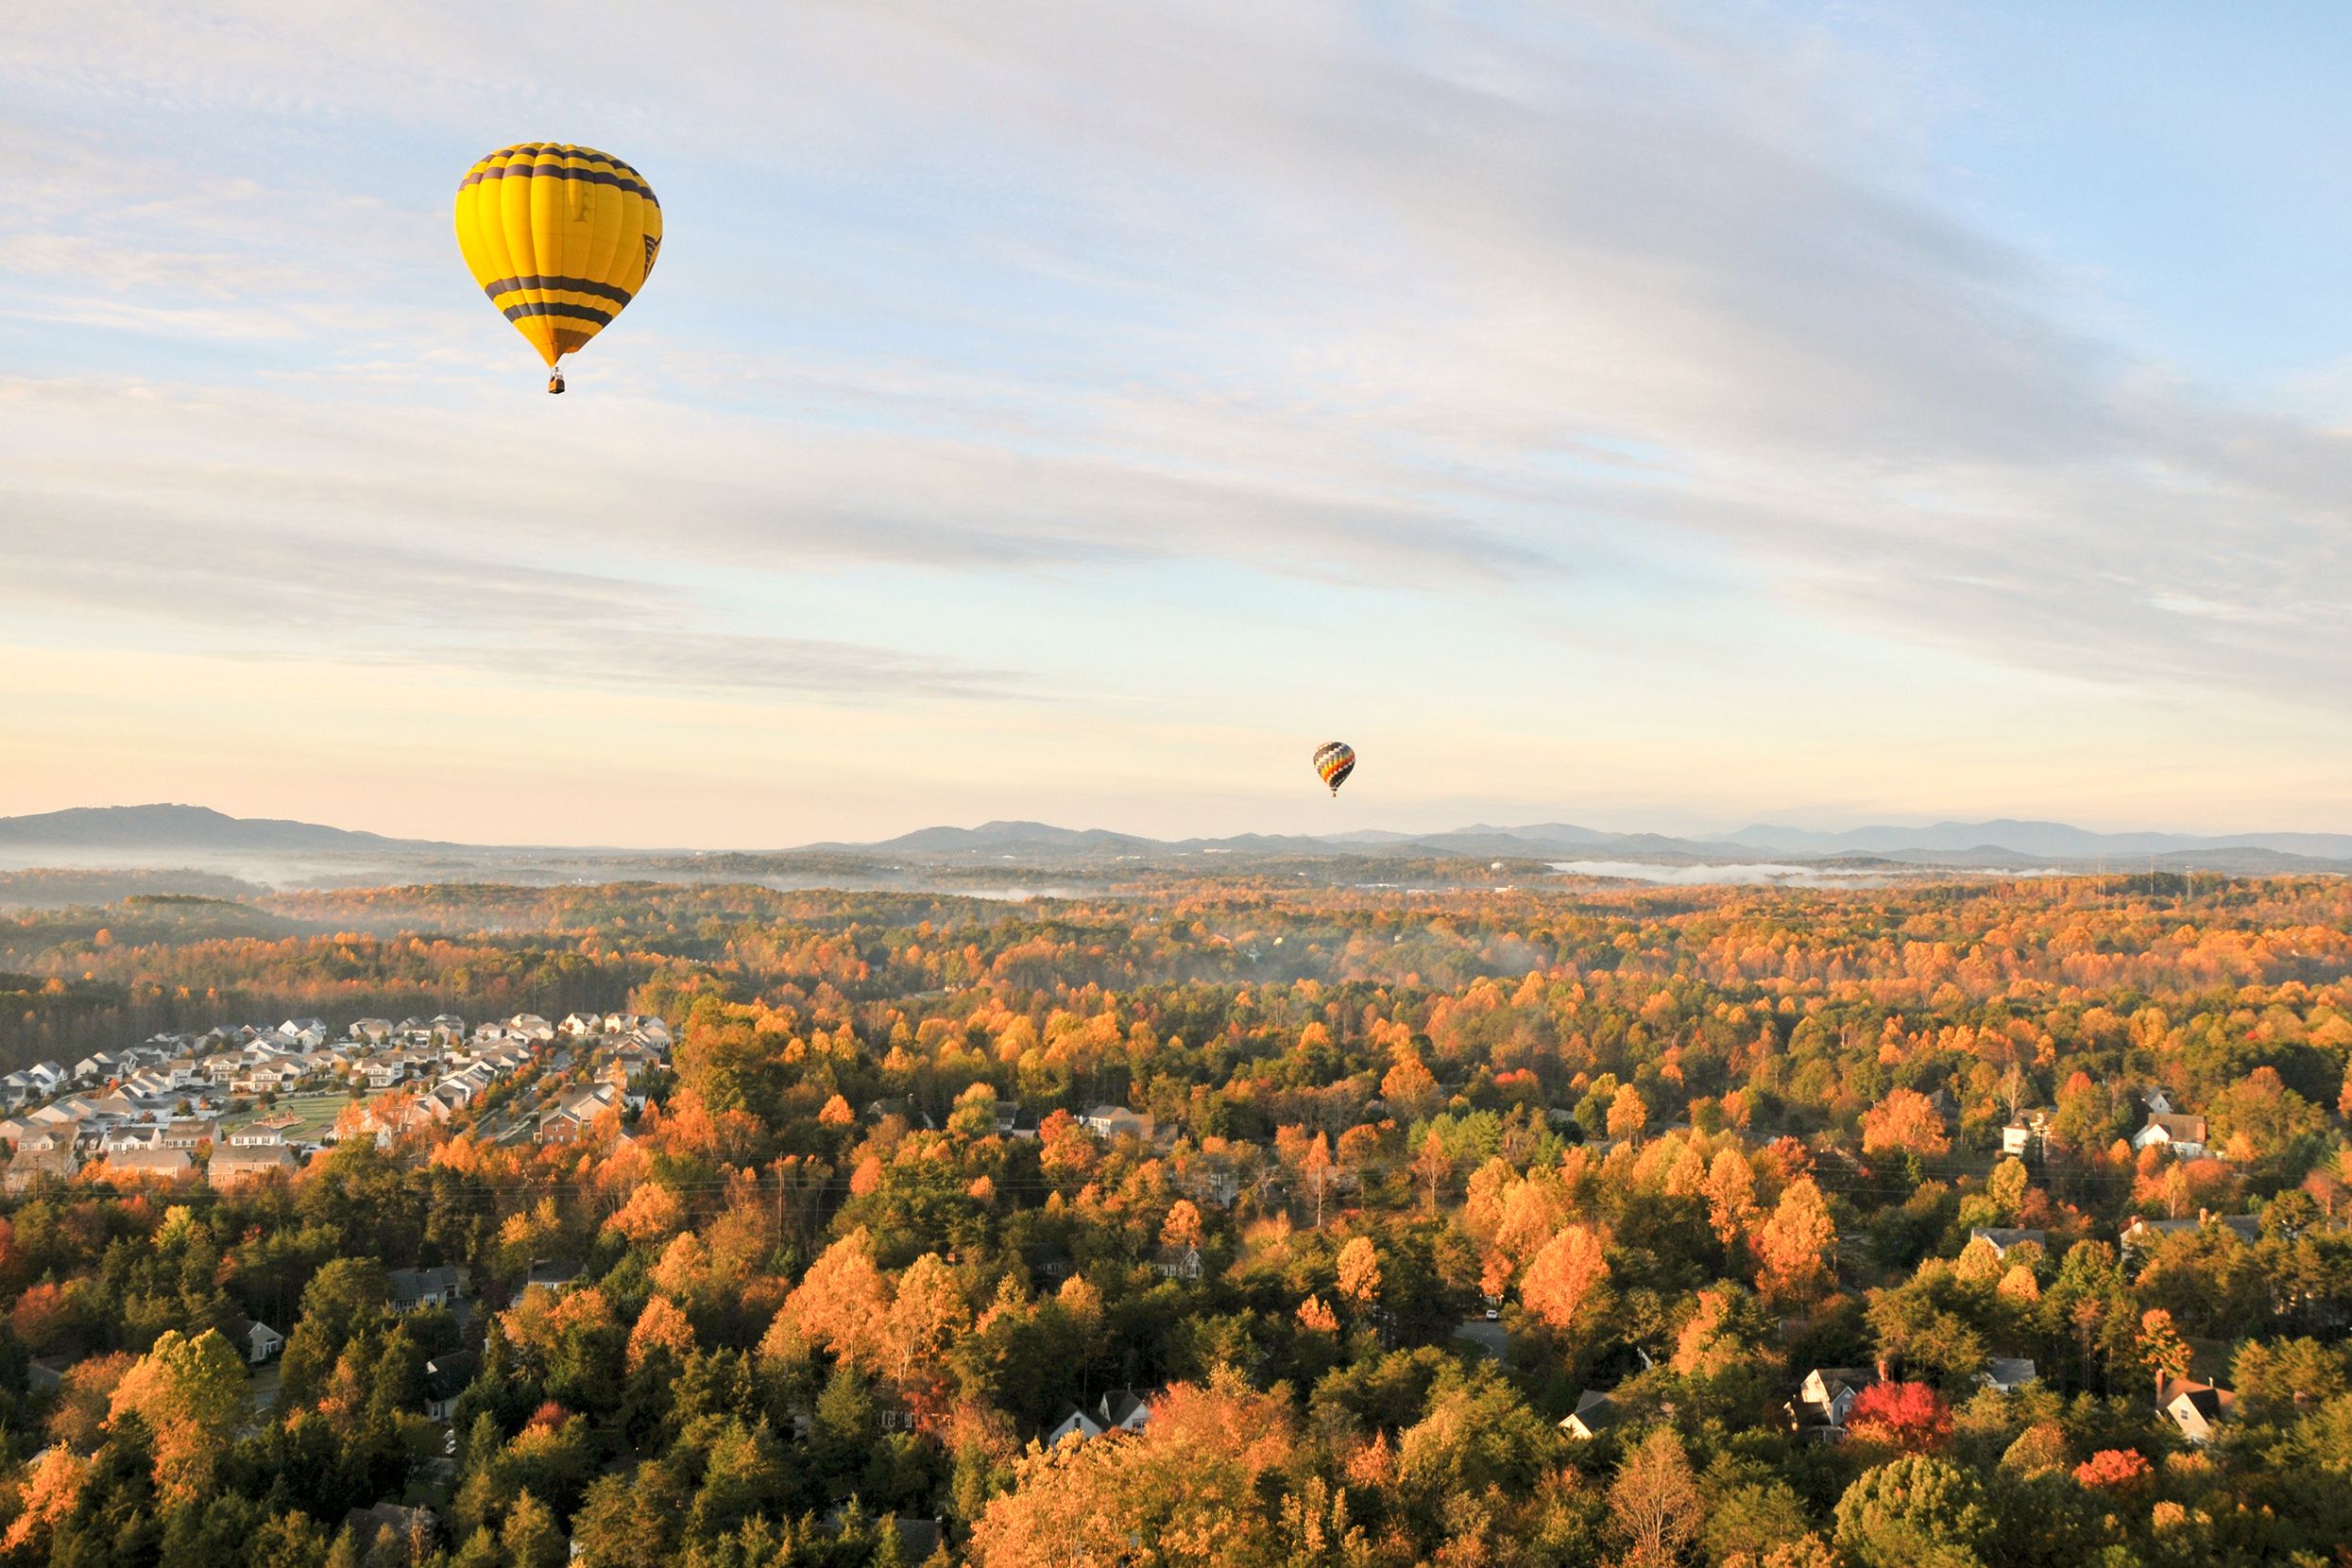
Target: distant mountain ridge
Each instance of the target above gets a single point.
(2056, 839)
(186, 828)
(119, 831)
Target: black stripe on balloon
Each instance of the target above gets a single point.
(574, 313)
(555, 149)
(555, 171)
(571, 286)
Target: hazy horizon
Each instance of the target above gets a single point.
(1703, 831)
(1656, 417)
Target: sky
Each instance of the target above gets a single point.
(1650, 416)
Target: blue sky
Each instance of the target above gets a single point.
(1645, 416)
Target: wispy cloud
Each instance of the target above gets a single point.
(264, 592)
(1495, 307)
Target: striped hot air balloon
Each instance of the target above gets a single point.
(560, 238)
(1334, 761)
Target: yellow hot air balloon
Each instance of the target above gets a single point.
(560, 238)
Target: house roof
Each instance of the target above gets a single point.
(1595, 1411)
(2191, 1402)
(412, 1285)
(1072, 1418)
(446, 1377)
(1120, 1407)
(2006, 1236)
(2248, 1227)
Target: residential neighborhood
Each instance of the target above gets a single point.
(248, 1101)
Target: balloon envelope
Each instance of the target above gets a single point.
(1334, 761)
(559, 237)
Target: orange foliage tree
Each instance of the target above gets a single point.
(1184, 1491)
(1905, 1123)
(1565, 1278)
(1792, 1246)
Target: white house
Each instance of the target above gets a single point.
(1075, 1422)
(1595, 1413)
(262, 1342)
(1112, 1121)
(2196, 1408)
(2001, 1237)
(2183, 1134)
(1125, 1411)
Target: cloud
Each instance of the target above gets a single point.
(1484, 303)
(264, 592)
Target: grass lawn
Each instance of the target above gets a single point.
(314, 1113)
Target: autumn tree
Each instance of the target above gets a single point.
(661, 1327)
(1433, 1165)
(1793, 1245)
(1409, 1088)
(2162, 1350)
(1182, 1229)
(1360, 1271)
(1905, 1123)
(653, 1212)
(1910, 1416)
(1654, 1502)
(842, 1304)
(1317, 1168)
(2112, 1470)
(1629, 1114)
(1565, 1278)
(929, 1312)
(1184, 1490)
(48, 1493)
(1731, 1193)
(191, 1395)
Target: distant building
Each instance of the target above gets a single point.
(1125, 1411)
(1117, 1121)
(153, 1165)
(2196, 1408)
(2183, 1134)
(2142, 1233)
(262, 1342)
(233, 1167)
(39, 1155)
(555, 1274)
(447, 1378)
(1826, 1397)
(2026, 1134)
(1595, 1413)
(1075, 1422)
(2006, 1375)
(2001, 1237)
(413, 1288)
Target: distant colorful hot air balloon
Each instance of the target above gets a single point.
(560, 238)
(1334, 761)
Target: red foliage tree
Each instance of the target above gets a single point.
(2112, 1468)
(1910, 1416)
